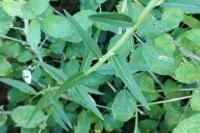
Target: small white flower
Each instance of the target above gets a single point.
(26, 75)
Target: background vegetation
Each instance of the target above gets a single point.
(95, 66)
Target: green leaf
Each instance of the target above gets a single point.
(116, 19)
(188, 6)
(58, 27)
(88, 41)
(25, 113)
(5, 67)
(34, 34)
(62, 115)
(38, 6)
(158, 60)
(71, 82)
(125, 49)
(124, 72)
(57, 46)
(194, 102)
(59, 76)
(187, 72)
(10, 49)
(84, 122)
(189, 125)
(146, 84)
(25, 56)
(71, 67)
(170, 19)
(124, 106)
(6, 22)
(23, 87)
(110, 124)
(3, 119)
(45, 101)
(89, 101)
(12, 7)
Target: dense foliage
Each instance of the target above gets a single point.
(99, 66)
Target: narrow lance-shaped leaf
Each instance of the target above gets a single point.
(23, 87)
(69, 83)
(188, 6)
(90, 104)
(88, 56)
(88, 41)
(59, 76)
(124, 72)
(62, 115)
(116, 19)
(43, 102)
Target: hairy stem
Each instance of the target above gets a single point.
(125, 37)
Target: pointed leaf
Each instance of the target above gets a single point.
(59, 76)
(188, 6)
(23, 87)
(88, 41)
(71, 82)
(116, 19)
(62, 113)
(84, 122)
(124, 72)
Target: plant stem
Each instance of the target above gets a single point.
(125, 37)
(136, 122)
(169, 100)
(5, 112)
(13, 39)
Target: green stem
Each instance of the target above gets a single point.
(5, 112)
(125, 37)
(169, 100)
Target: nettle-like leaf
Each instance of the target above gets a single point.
(166, 43)
(123, 71)
(187, 6)
(58, 27)
(187, 72)
(6, 22)
(194, 102)
(158, 61)
(124, 106)
(25, 113)
(170, 19)
(189, 125)
(116, 19)
(12, 7)
(34, 34)
(146, 84)
(37, 7)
